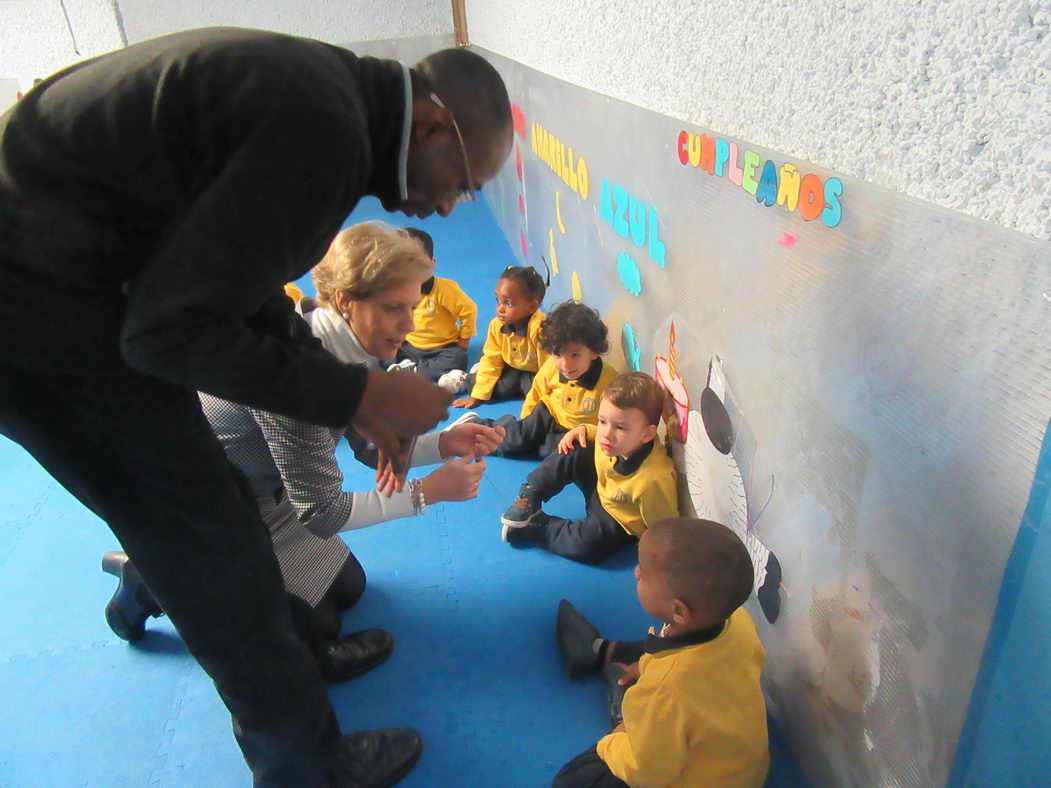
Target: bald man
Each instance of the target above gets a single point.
(153, 201)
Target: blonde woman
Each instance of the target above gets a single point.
(368, 283)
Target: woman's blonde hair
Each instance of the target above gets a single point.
(364, 259)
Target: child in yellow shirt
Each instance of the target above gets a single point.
(695, 716)
(621, 467)
(512, 353)
(444, 322)
(568, 388)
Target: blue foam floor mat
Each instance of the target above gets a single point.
(475, 667)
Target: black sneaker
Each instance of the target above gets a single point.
(522, 511)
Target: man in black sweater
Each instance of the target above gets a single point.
(153, 201)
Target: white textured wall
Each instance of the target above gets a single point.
(945, 101)
(36, 39)
(329, 20)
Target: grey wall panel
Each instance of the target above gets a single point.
(887, 378)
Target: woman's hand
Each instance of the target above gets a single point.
(456, 480)
(466, 402)
(575, 435)
(470, 440)
(395, 409)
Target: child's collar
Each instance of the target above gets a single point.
(427, 286)
(521, 327)
(628, 466)
(656, 643)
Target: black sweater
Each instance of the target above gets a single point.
(154, 200)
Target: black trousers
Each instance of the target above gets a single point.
(513, 384)
(587, 770)
(435, 362)
(345, 591)
(537, 434)
(139, 453)
(598, 535)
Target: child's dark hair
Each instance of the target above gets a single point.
(704, 563)
(572, 321)
(637, 390)
(424, 238)
(531, 282)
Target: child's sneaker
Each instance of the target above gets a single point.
(468, 418)
(405, 365)
(523, 510)
(526, 533)
(454, 381)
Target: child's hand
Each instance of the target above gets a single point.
(575, 435)
(631, 673)
(466, 402)
(464, 343)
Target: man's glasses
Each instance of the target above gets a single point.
(467, 193)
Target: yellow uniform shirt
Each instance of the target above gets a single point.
(292, 291)
(696, 716)
(639, 491)
(437, 314)
(570, 402)
(518, 348)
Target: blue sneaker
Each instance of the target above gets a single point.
(522, 511)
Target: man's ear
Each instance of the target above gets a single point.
(429, 121)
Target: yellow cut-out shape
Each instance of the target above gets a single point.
(558, 212)
(551, 251)
(577, 296)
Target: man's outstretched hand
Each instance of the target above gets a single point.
(396, 407)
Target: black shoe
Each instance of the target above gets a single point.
(351, 655)
(614, 693)
(576, 639)
(522, 511)
(375, 759)
(132, 603)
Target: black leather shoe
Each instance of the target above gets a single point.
(375, 759)
(132, 603)
(351, 655)
(576, 638)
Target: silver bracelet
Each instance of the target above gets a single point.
(419, 503)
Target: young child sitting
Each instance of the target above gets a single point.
(567, 389)
(628, 480)
(696, 714)
(445, 322)
(512, 353)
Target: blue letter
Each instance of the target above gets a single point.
(833, 210)
(605, 207)
(767, 191)
(656, 244)
(637, 214)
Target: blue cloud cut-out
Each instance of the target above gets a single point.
(628, 271)
(632, 351)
